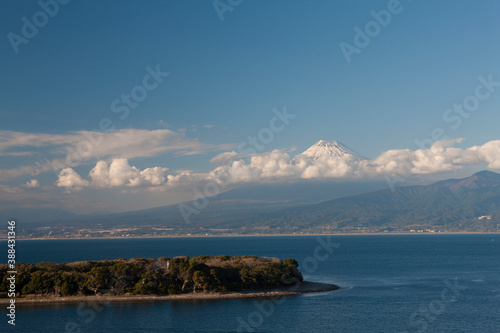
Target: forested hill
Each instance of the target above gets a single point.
(151, 276)
(469, 204)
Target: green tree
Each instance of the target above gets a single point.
(97, 279)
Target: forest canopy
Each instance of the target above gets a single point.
(160, 276)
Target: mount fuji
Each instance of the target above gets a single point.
(324, 148)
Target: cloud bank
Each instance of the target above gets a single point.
(278, 165)
(73, 149)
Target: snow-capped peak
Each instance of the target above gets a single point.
(324, 148)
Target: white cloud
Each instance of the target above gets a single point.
(120, 173)
(225, 158)
(441, 157)
(130, 143)
(69, 179)
(489, 153)
(11, 139)
(70, 150)
(33, 170)
(237, 172)
(186, 179)
(100, 174)
(154, 176)
(33, 183)
(115, 174)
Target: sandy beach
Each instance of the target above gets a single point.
(303, 287)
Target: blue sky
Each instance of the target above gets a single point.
(225, 78)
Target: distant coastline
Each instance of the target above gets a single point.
(300, 288)
(269, 235)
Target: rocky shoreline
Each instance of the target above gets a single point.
(303, 287)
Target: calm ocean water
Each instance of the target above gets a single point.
(390, 283)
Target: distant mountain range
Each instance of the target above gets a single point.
(469, 204)
(472, 203)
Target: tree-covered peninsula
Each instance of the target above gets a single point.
(162, 276)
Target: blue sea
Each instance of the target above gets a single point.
(389, 283)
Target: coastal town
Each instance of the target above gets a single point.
(59, 232)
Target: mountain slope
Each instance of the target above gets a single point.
(325, 148)
(237, 203)
(451, 204)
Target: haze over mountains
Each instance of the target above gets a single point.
(469, 204)
(245, 197)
